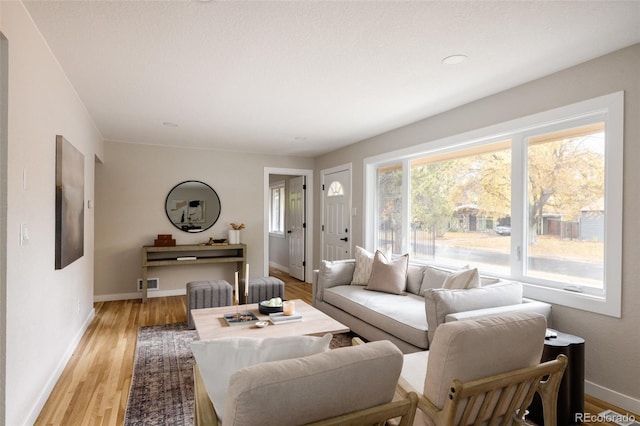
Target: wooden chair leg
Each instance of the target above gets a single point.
(204, 413)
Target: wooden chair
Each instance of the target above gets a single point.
(483, 372)
(346, 386)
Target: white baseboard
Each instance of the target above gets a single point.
(274, 265)
(612, 397)
(55, 375)
(137, 295)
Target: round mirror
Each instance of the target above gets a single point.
(193, 206)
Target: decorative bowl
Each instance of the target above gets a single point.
(262, 324)
(264, 309)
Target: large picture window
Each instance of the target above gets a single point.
(537, 200)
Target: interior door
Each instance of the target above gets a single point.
(297, 227)
(336, 197)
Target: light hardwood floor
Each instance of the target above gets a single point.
(94, 386)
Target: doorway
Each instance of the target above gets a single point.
(288, 222)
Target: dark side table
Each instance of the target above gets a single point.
(571, 392)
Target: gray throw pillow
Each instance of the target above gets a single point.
(389, 276)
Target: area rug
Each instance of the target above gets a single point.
(162, 383)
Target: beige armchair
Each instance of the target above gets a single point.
(352, 385)
(483, 371)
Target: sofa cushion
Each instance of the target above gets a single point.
(415, 274)
(218, 359)
(467, 278)
(364, 263)
(433, 278)
(470, 350)
(441, 302)
(401, 316)
(335, 272)
(303, 390)
(388, 276)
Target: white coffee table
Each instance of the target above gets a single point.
(210, 323)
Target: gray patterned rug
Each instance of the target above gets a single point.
(162, 384)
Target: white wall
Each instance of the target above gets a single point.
(612, 345)
(131, 187)
(47, 310)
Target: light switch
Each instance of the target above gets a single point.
(24, 234)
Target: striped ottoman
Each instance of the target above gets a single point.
(207, 294)
(264, 289)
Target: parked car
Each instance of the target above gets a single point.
(503, 230)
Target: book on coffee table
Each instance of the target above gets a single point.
(280, 318)
(240, 318)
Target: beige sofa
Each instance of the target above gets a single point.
(410, 319)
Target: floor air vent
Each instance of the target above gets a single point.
(152, 284)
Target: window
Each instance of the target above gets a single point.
(276, 209)
(335, 189)
(538, 200)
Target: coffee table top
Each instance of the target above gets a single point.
(210, 323)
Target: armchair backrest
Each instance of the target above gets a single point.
(304, 390)
(471, 350)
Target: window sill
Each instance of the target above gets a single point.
(610, 306)
(276, 234)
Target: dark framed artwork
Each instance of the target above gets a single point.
(69, 203)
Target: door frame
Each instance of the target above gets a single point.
(323, 173)
(308, 174)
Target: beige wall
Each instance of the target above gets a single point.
(47, 309)
(131, 187)
(613, 346)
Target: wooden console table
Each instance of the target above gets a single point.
(191, 255)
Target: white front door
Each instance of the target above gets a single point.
(296, 227)
(336, 226)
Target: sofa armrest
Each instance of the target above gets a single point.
(528, 305)
(331, 274)
(314, 286)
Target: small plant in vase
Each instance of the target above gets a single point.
(234, 233)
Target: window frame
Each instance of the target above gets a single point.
(277, 186)
(610, 107)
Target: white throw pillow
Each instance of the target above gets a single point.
(218, 359)
(364, 263)
(461, 280)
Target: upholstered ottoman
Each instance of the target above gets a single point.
(264, 289)
(207, 294)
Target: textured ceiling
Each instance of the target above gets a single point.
(307, 77)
